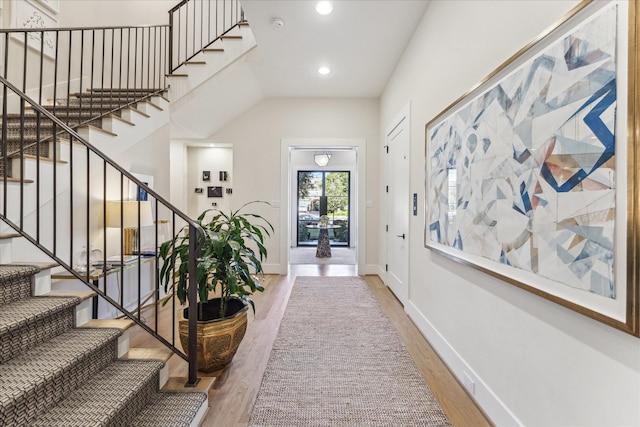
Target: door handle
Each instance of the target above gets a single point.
(401, 235)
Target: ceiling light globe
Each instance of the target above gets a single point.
(324, 7)
(324, 70)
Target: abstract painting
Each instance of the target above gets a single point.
(522, 171)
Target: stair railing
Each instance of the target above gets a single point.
(65, 213)
(52, 65)
(195, 25)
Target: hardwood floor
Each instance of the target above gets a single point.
(232, 397)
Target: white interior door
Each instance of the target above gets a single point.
(398, 209)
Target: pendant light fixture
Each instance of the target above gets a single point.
(322, 159)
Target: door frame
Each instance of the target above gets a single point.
(403, 115)
(359, 218)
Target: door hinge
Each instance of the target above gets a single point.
(387, 188)
(386, 147)
(386, 267)
(387, 228)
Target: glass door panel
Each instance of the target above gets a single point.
(311, 186)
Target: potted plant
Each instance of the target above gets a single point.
(227, 275)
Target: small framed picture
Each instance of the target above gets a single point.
(224, 175)
(214, 191)
(199, 190)
(206, 175)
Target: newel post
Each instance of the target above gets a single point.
(193, 309)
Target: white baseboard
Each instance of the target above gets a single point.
(488, 401)
(373, 270)
(273, 269)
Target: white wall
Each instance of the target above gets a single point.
(150, 156)
(89, 13)
(214, 160)
(533, 361)
(256, 137)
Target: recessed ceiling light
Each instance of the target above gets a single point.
(324, 7)
(324, 70)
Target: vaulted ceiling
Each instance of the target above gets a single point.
(361, 42)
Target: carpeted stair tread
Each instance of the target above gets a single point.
(31, 124)
(124, 90)
(30, 309)
(100, 98)
(15, 282)
(41, 376)
(15, 119)
(66, 116)
(31, 321)
(83, 110)
(112, 397)
(170, 409)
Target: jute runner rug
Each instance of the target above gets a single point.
(338, 361)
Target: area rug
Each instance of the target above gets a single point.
(338, 361)
(307, 255)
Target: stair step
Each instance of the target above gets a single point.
(40, 265)
(156, 106)
(15, 127)
(173, 409)
(9, 236)
(43, 375)
(80, 294)
(177, 75)
(106, 95)
(230, 37)
(125, 90)
(111, 397)
(178, 384)
(29, 321)
(213, 49)
(15, 141)
(194, 63)
(162, 353)
(61, 113)
(15, 282)
(44, 159)
(97, 129)
(95, 104)
(122, 324)
(14, 180)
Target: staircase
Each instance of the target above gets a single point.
(57, 372)
(80, 111)
(60, 125)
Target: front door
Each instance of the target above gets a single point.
(335, 186)
(398, 208)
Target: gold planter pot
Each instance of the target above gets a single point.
(218, 340)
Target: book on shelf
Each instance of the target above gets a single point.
(116, 260)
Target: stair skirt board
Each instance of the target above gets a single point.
(53, 374)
